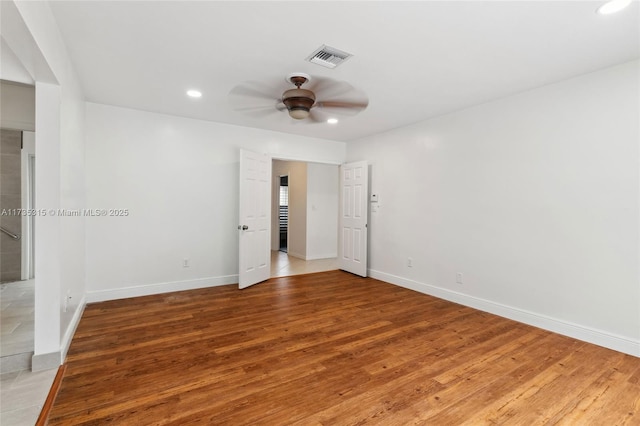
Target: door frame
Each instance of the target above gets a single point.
(332, 163)
(27, 160)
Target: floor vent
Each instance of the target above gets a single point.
(328, 56)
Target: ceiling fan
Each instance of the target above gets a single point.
(320, 98)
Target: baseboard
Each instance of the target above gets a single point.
(46, 361)
(149, 289)
(322, 256)
(298, 255)
(71, 329)
(316, 257)
(51, 360)
(576, 331)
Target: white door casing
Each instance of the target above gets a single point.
(352, 234)
(27, 159)
(254, 227)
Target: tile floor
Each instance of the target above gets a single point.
(22, 393)
(17, 313)
(283, 265)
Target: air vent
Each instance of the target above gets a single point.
(328, 57)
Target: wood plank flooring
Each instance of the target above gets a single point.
(332, 349)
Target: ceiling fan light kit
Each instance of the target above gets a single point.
(298, 101)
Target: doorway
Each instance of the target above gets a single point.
(17, 187)
(283, 265)
(304, 217)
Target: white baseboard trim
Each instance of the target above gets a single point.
(316, 257)
(298, 255)
(322, 256)
(51, 360)
(576, 331)
(157, 288)
(71, 329)
(40, 362)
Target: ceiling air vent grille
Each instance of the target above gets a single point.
(329, 57)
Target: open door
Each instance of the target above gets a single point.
(352, 225)
(254, 228)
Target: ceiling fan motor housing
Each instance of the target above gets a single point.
(298, 102)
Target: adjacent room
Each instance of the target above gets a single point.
(261, 212)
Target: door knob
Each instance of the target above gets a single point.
(243, 227)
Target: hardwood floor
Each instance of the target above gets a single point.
(332, 349)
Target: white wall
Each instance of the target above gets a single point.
(322, 211)
(11, 69)
(297, 232)
(534, 198)
(30, 31)
(48, 255)
(178, 178)
(18, 106)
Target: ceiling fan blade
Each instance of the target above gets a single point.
(255, 99)
(258, 113)
(245, 90)
(343, 104)
(317, 84)
(342, 107)
(328, 88)
(274, 106)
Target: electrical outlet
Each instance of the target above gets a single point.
(185, 263)
(459, 278)
(410, 262)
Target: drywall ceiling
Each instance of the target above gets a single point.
(414, 60)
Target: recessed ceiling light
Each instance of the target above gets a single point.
(613, 6)
(332, 121)
(194, 94)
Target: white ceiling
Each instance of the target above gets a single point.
(414, 60)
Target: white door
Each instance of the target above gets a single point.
(352, 234)
(254, 228)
